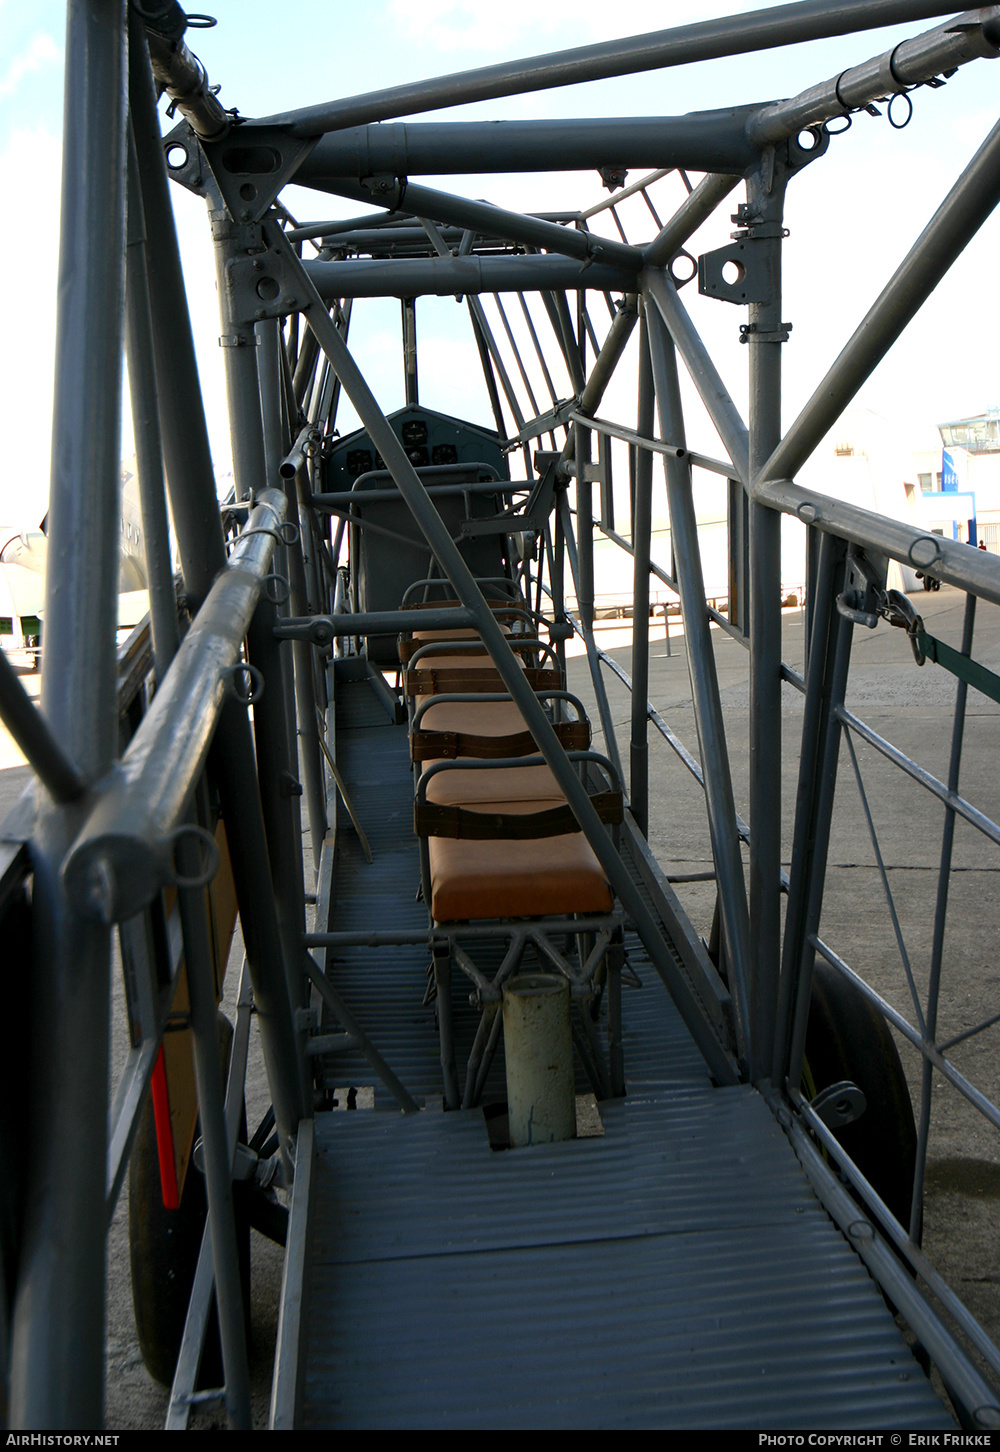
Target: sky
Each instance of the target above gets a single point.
(852, 215)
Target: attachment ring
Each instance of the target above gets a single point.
(276, 588)
(900, 96)
(255, 683)
(210, 855)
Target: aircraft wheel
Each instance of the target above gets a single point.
(847, 1038)
(164, 1246)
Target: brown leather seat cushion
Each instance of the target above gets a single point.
(466, 661)
(495, 789)
(474, 718)
(410, 644)
(484, 729)
(543, 878)
(440, 674)
(466, 632)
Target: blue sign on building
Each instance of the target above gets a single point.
(949, 475)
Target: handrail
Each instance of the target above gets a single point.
(123, 855)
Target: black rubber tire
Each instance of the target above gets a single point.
(847, 1038)
(163, 1249)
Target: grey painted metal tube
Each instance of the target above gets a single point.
(30, 730)
(305, 697)
(593, 653)
(719, 798)
(233, 767)
(274, 718)
(146, 429)
(185, 80)
(217, 1164)
(954, 224)
(704, 374)
(815, 723)
(57, 1323)
(187, 456)
(940, 919)
(578, 449)
(345, 498)
(704, 40)
(335, 227)
(611, 351)
(694, 210)
(562, 325)
(841, 633)
(765, 197)
(479, 216)
(943, 559)
(391, 239)
(909, 64)
(239, 356)
(460, 276)
(122, 857)
(701, 140)
(454, 566)
(641, 531)
(580, 440)
(195, 510)
(973, 1393)
(295, 458)
(321, 629)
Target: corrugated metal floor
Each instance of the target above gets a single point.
(675, 1272)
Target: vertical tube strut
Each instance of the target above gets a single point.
(146, 428)
(940, 915)
(641, 530)
(57, 1334)
(704, 682)
(765, 201)
(217, 1159)
(199, 538)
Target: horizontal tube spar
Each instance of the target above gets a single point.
(911, 63)
(943, 559)
(449, 276)
(681, 45)
(321, 629)
(484, 219)
(701, 141)
(124, 854)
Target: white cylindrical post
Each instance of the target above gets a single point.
(538, 1046)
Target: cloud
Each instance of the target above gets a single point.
(40, 52)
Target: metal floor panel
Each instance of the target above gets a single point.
(700, 1159)
(677, 1272)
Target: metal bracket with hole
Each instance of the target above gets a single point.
(250, 164)
(752, 272)
(259, 287)
(841, 1104)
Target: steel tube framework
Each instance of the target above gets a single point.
(108, 835)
